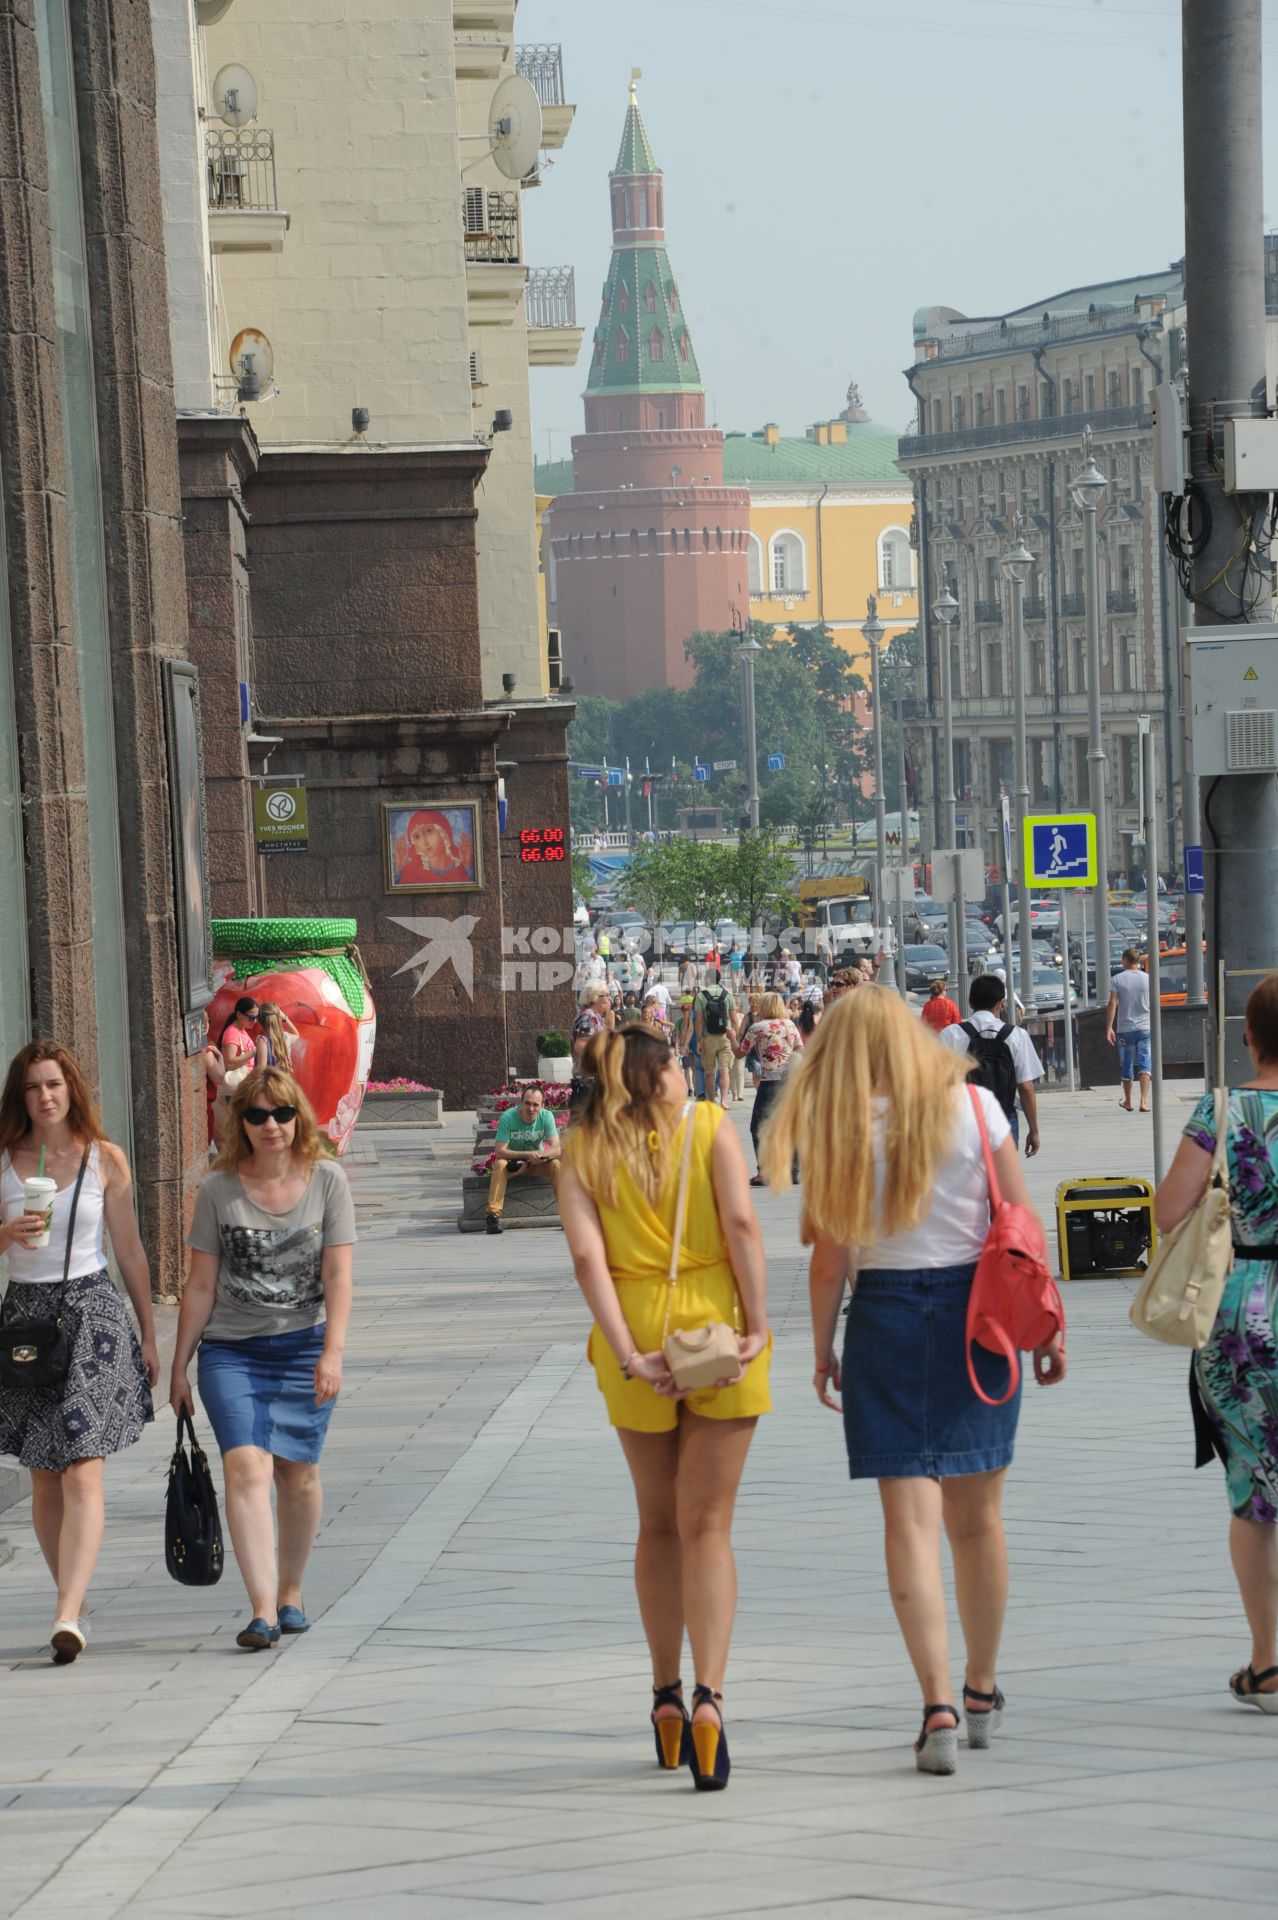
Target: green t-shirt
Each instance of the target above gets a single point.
(523, 1136)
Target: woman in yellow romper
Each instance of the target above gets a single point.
(617, 1197)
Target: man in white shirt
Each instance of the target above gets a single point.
(660, 992)
(987, 999)
(1128, 1015)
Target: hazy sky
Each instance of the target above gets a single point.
(833, 164)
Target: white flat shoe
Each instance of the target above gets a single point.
(937, 1752)
(68, 1640)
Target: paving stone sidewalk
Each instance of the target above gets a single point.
(464, 1733)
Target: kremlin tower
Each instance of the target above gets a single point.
(651, 545)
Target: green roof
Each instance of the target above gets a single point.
(635, 153)
(642, 343)
(866, 458)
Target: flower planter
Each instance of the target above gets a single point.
(425, 1109)
(556, 1067)
(529, 1203)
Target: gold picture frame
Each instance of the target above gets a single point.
(432, 845)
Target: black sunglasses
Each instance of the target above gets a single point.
(258, 1116)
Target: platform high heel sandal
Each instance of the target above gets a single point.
(671, 1735)
(708, 1745)
(1246, 1684)
(937, 1752)
(985, 1718)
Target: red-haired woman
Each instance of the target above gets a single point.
(436, 858)
(63, 1432)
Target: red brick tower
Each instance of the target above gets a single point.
(651, 545)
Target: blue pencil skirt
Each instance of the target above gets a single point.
(908, 1406)
(261, 1393)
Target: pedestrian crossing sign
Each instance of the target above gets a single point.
(1060, 850)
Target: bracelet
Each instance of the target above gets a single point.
(625, 1365)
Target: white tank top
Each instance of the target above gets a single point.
(42, 1266)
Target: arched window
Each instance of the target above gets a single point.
(654, 545)
(672, 294)
(656, 345)
(650, 298)
(599, 348)
(685, 347)
(896, 561)
(718, 538)
(623, 298)
(634, 543)
(661, 419)
(622, 347)
(789, 563)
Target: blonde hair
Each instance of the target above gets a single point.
(867, 1044)
(269, 1087)
(772, 1007)
(625, 1121)
(272, 1025)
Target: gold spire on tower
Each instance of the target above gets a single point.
(636, 74)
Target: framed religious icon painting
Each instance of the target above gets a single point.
(432, 846)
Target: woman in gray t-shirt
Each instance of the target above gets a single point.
(267, 1300)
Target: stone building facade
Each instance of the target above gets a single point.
(92, 594)
(1002, 402)
(651, 544)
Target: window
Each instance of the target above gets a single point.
(993, 669)
(1078, 663)
(1089, 392)
(1128, 769)
(1077, 576)
(1040, 784)
(1067, 396)
(656, 345)
(956, 667)
(1000, 752)
(958, 412)
(623, 298)
(1114, 391)
(621, 346)
(1047, 401)
(991, 576)
(789, 563)
(754, 552)
(661, 419)
(1128, 664)
(685, 347)
(938, 417)
(650, 298)
(1000, 407)
(643, 207)
(978, 409)
(1137, 380)
(1022, 403)
(896, 560)
(1038, 667)
(672, 294)
(1081, 783)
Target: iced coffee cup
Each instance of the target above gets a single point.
(37, 1195)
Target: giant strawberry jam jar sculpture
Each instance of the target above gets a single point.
(311, 969)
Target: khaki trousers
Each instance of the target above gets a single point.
(501, 1173)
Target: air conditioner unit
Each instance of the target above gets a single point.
(475, 210)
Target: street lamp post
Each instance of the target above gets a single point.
(872, 629)
(945, 609)
(1017, 567)
(903, 808)
(747, 653)
(1087, 490)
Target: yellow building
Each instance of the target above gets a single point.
(829, 525)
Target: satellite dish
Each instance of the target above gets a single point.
(252, 362)
(514, 127)
(235, 95)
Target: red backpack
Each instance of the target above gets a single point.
(1014, 1302)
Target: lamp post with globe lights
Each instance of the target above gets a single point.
(945, 611)
(1017, 567)
(1086, 491)
(747, 653)
(872, 630)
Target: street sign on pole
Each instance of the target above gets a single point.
(776, 763)
(1194, 870)
(725, 766)
(700, 773)
(945, 878)
(616, 776)
(279, 819)
(1059, 850)
(589, 773)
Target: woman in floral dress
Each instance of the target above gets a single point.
(773, 1039)
(1233, 1380)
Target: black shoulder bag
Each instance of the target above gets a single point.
(37, 1353)
(192, 1529)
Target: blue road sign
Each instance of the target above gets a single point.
(1060, 850)
(615, 776)
(700, 773)
(776, 763)
(589, 773)
(1194, 870)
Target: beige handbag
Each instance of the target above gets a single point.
(1180, 1295)
(696, 1356)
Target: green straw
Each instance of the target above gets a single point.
(40, 1168)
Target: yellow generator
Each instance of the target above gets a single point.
(1104, 1224)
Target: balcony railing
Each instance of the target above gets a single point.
(491, 228)
(1120, 600)
(1056, 426)
(552, 297)
(988, 613)
(241, 169)
(1009, 336)
(543, 65)
(1073, 604)
(1035, 610)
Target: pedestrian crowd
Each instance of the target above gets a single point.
(904, 1133)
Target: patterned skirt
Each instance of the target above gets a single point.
(104, 1402)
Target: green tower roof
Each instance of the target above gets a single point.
(635, 153)
(642, 342)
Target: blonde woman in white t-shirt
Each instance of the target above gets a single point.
(895, 1198)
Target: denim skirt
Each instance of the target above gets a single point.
(908, 1406)
(261, 1393)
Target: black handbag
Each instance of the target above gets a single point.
(37, 1353)
(192, 1528)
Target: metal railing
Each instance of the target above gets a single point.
(1035, 610)
(1056, 426)
(241, 169)
(497, 242)
(988, 613)
(1073, 604)
(552, 296)
(1120, 600)
(542, 63)
(1009, 336)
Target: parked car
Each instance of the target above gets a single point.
(924, 962)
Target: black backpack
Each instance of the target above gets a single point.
(995, 1067)
(714, 1013)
